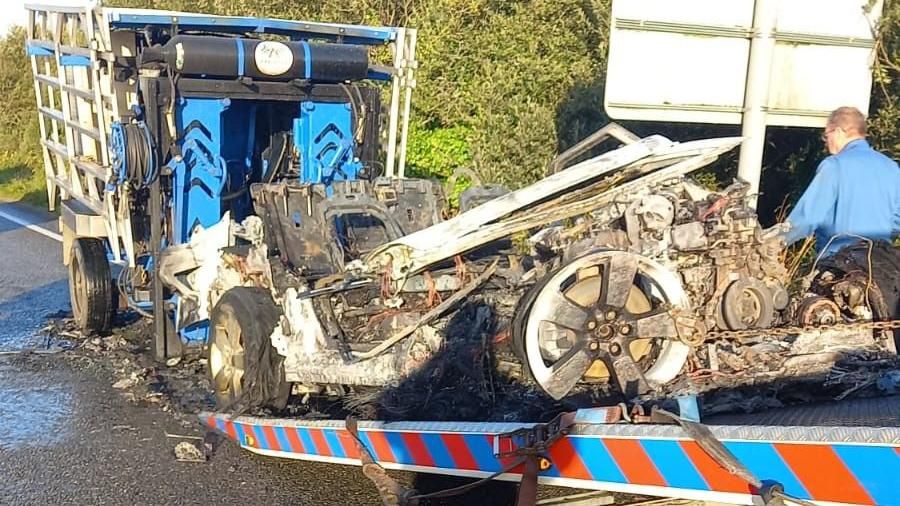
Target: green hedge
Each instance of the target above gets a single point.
(502, 87)
(21, 169)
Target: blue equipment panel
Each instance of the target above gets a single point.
(218, 147)
(323, 135)
(216, 155)
(217, 137)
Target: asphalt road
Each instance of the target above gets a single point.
(68, 437)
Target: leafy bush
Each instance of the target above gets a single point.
(437, 152)
(884, 124)
(503, 86)
(21, 170)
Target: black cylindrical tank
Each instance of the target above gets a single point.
(199, 55)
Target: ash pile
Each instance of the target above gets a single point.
(179, 387)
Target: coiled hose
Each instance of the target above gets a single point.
(135, 161)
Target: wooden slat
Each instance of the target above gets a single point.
(74, 51)
(49, 171)
(93, 133)
(93, 204)
(87, 166)
(66, 9)
(52, 113)
(80, 93)
(58, 116)
(56, 147)
(49, 81)
(92, 168)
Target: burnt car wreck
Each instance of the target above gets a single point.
(619, 275)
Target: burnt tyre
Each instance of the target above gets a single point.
(602, 317)
(855, 262)
(90, 286)
(886, 278)
(245, 370)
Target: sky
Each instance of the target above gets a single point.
(12, 12)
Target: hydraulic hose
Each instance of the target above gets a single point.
(135, 162)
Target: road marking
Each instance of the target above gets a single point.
(30, 226)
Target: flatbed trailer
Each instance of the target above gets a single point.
(841, 453)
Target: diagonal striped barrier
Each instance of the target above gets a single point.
(838, 465)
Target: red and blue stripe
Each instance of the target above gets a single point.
(851, 473)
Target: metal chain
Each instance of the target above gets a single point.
(800, 329)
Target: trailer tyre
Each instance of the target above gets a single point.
(245, 370)
(90, 286)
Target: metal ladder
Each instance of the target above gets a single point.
(72, 62)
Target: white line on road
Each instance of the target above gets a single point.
(30, 226)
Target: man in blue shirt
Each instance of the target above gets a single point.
(856, 190)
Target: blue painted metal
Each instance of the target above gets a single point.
(439, 452)
(689, 408)
(240, 56)
(307, 60)
(482, 450)
(626, 458)
(331, 437)
(869, 466)
(601, 465)
(196, 334)
(323, 134)
(118, 145)
(352, 34)
(74, 60)
(36, 50)
(216, 154)
(117, 148)
(765, 461)
(674, 464)
(306, 438)
(379, 75)
(217, 146)
(240, 138)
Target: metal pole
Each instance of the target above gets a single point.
(409, 82)
(759, 70)
(151, 113)
(399, 47)
(150, 91)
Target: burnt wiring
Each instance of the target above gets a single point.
(359, 112)
(869, 242)
(125, 282)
